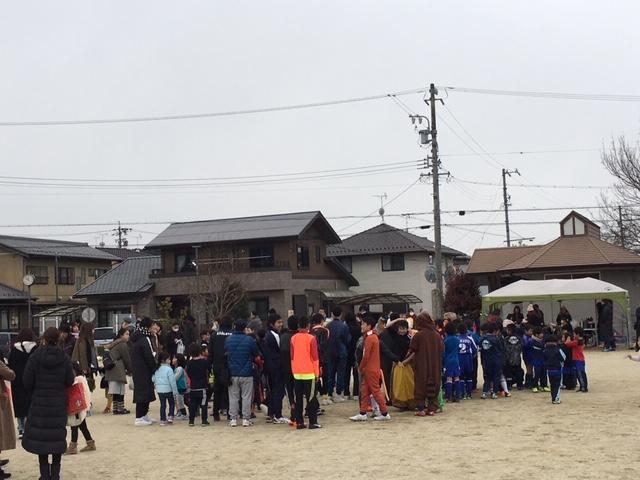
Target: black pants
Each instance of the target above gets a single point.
(220, 397)
(142, 408)
(555, 379)
(195, 403)
(306, 389)
(84, 429)
(276, 394)
(289, 388)
(55, 459)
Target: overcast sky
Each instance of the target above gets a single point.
(79, 60)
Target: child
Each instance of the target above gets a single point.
(305, 367)
(468, 352)
(78, 421)
(198, 371)
(576, 343)
(527, 355)
(452, 389)
(166, 387)
(568, 371)
(537, 361)
(322, 339)
(178, 363)
(492, 359)
(553, 361)
(371, 374)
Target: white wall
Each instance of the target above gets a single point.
(368, 271)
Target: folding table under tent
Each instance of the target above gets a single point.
(532, 291)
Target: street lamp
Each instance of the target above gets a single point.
(28, 280)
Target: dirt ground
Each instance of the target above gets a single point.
(589, 435)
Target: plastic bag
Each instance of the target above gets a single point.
(403, 387)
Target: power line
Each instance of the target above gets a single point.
(578, 187)
(555, 95)
(229, 113)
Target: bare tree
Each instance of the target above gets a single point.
(621, 210)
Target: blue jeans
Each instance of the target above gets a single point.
(164, 398)
(581, 374)
(337, 367)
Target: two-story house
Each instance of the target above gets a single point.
(280, 261)
(58, 268)
(388, 259)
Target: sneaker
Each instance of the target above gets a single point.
(494, 396)
(246, 423)
(191, 424)
(535, 390)
(141, 422)
(546, 389)
(339, 399)
(149, 419)
(507, 394)
(383, 418)
(233, 422)
(313, 426)
(556, 401)
(376, 413)
(301, 426)
(281, 421)
(205, 424)
(269, 420)
(420, 413)
(170, 419)
(164, 423)
(483, 396)
(359, 417)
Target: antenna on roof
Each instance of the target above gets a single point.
(382, 198)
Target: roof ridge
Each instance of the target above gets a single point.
(536, 254)
(247, 218)
(65, 242)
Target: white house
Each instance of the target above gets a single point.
(385, 259)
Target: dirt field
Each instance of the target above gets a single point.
(589, 435)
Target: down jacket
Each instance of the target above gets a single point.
(119, 351)
(47, 375)
(241, 349)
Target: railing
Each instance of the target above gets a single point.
(234, 266)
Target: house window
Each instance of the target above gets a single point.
(97, 272)
(302, 257)
(66, 276)
(318, 254)
(347, 263)
(261, 257)
(184, 263)
(41, 274)
(393, 262)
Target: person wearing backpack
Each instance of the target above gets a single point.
(117, 363)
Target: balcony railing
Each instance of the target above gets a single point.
(235, 266)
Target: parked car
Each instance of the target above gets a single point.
(103, 336)
(6, 340)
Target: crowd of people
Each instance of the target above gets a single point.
(246, 367)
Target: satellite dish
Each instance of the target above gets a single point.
(430, 274)
(28, 280)
(88, 314)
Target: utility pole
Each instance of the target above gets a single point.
(121, 235)
(437, 235)
(505, 199)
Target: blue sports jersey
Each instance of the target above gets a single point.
(451, 349)
(492, 349)
(468, 350)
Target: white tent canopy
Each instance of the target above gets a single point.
(532, 291)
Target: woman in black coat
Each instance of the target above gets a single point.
(21, 350)
(143, 366)
(47, 375)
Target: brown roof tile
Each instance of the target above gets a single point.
(487, 260)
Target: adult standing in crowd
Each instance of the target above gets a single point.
(636, 327)
(273, 368)
(353, 324)
(67, 340)
(117, 375)
(190, 331)
(143, 365)
(47, 375)
(7, 432)
(84, 352)
(605, 322)
(533, 318)
(426, 349)
(23, 347)
(339, 338)
(218, 360)
(394, 345)
(516, 315)
(241, 350)
(175, 340)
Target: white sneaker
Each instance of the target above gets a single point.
(376, 413)
(280, 420)
(149, 419)
(339, 399)
(360, 417)
(382, 418)
(246, 423)
(233, 422)
(142, 422)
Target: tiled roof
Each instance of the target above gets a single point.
(123, 253)
(563, 252)
(39, 247)
(487, 260)
(8, 293)
(246, 228)
(384, 238)
(129, 277)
